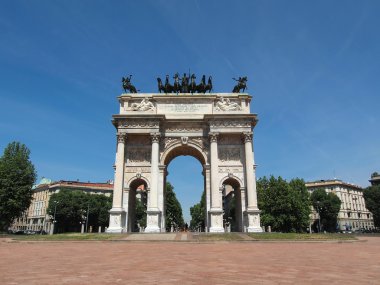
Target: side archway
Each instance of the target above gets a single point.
(137, 204)
(232, 203)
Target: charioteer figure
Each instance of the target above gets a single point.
(127, 85)
(242, 84)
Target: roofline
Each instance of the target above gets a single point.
(328, 182)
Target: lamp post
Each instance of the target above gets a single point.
(319, 218)
(355, 208)
(54, 221)
(88, 209)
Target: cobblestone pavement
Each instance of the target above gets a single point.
(123, 262)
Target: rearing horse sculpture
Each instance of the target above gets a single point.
(177, 85)
(127, 85)
(192, 85)
(242, 84)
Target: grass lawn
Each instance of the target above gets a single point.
(217, 237)
(297, 236)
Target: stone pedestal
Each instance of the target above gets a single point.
(117, 220)
(216, 217)
(153, 221)
(254, 221)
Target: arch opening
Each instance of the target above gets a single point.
(232, 205)
(137, 205)
(184, 164)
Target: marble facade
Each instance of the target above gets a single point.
(153, 129)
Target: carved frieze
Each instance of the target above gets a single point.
(173, 128)
(138, 155)
(230, 123)
(229, 154)
(137, 169)
(226, 105)
(144, 105)
(138, 140)
(136, 124)
(229, 140)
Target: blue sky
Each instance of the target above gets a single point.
(313, 69)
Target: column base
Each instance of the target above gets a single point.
(254, 230)
(153, 221)
(254, 221)
(117, 221)
(216, 221)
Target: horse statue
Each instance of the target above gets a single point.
(242, 84)
(192, 85)
(185, 84)
(127, 85)
(208, 87)
(161, 87)
(177, 86)
(168, 86)
(201, 87)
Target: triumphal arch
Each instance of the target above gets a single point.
(154, 128)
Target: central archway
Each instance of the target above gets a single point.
(176, 151)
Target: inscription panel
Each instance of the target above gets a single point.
(184, 108)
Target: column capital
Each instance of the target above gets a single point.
(155, 137)
(121, 137)
(247, 137)
(213, 136)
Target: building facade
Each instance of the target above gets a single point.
(353, 214)
(36, 218)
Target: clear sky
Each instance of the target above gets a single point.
(313, 69)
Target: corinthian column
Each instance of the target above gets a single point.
(216, 209)
(153, 213)
(117, 213)
(253, 212)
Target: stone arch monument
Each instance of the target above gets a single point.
(153, 129)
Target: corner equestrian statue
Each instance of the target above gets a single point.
(127, 85)
(242, 84)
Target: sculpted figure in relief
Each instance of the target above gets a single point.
(145, 105)
(227, 105)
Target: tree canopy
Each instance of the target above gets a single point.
(198, 214)
(372, 202)
(328, 206)
(284, 206)
(17, 176)
(70, 207)
(173, 213)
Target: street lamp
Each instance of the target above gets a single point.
(88, 209)
(355, 209)
(54, 221)
(319, 218)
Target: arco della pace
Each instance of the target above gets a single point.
(153, 129)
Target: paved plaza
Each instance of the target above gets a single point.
(176, 262)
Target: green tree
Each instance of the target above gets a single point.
(17, 176)
(372, 202)
(71, 206)
(173, 213)
(141, 212)
(198, 213)
(328, 206)
(285, 206)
